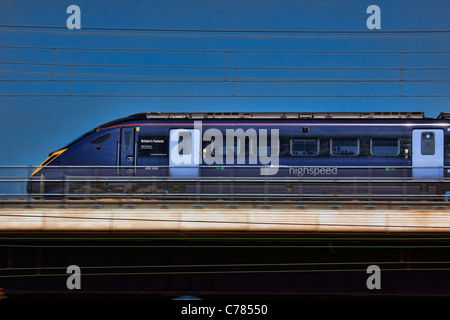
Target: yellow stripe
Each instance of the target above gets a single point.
(56, 154)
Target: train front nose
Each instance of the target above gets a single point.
(47, 177)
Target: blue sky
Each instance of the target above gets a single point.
(282, 63)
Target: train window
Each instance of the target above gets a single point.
(285, 147)
(232, 150)
(267, 149)
(385, 146)
(101, 139)
(126, 145)
(268, 152)
(235, 150)
(304, 147)
(345, 147)
(428, 144)
(184, 143)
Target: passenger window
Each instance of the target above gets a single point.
(184, 143)
(101, 139)
(235, 150)
(126, 141)
(344, 147)
(268, 151)
(268, 148)
(385, 146)
(428, 143)
(304, 147)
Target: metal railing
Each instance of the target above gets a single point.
(233, 184)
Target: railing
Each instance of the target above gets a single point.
(232, 184)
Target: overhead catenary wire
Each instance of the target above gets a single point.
(220, 67)
(227, 31)
(227, 34)
(148, 78)
(223, 51)
(213, 96)
(194, 80)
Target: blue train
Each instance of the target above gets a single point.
(253, 153)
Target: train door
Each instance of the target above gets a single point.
(428, 153)
(127, 150)
(184, 152)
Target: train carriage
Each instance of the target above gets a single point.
(286, 155)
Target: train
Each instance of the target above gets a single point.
(289, 155)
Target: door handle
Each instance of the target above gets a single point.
(118, 158)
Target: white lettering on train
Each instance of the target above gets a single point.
(313, 171)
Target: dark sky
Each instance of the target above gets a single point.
(139, 56)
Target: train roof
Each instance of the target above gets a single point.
(281, 115)
(274, 116)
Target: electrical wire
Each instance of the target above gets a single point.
(171, 34)
(149, 78)
(213, 96)
(75, 65)
(222, 272)
(232, 30)
(224, 81)
(231, 265)
(219, 51)
(272, 246)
